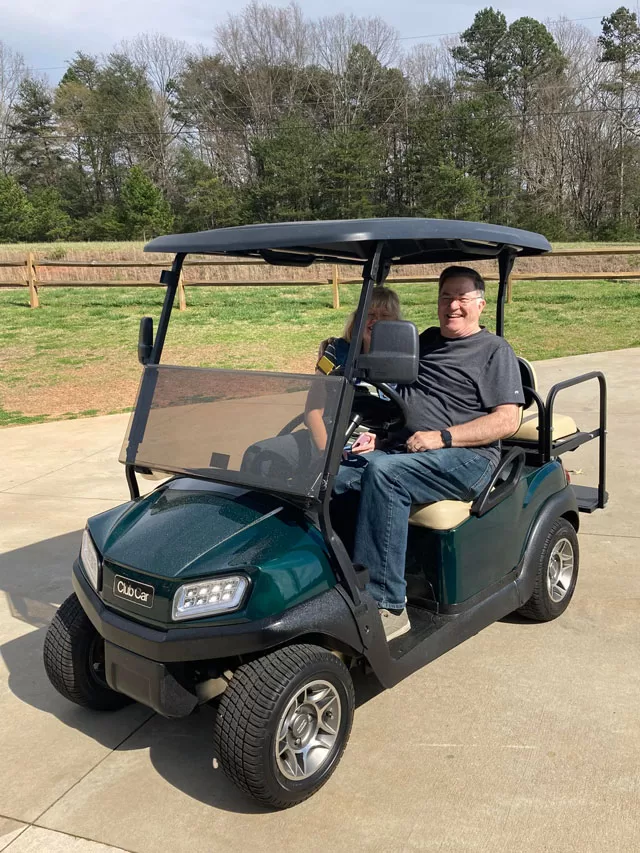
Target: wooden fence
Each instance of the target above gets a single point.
(30, 266)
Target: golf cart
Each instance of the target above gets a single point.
(229, 584)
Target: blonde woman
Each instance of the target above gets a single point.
(332, 355)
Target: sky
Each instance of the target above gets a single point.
(48, 32)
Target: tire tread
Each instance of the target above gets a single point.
(247, 706)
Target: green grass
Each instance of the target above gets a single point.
(89, 335)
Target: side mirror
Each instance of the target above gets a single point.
(394, 353)
(145, 340)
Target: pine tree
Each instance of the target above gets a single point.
(36, 151)
(15, 212)
(144, 210)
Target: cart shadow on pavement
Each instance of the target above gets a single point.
(35, 580)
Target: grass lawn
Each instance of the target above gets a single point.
(76, 355)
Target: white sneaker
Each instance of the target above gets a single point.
(394, 625)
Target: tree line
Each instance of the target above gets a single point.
(286, 118)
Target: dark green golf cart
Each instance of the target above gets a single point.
(229, 584)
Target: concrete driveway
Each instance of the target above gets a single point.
(525, 738)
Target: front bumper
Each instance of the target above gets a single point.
(148, 682)
(326, 616)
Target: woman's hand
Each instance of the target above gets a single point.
(365, 443)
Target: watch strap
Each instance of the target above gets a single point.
(446, 437)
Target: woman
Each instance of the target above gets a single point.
(286, 457)
(385, 305)
(332, 355)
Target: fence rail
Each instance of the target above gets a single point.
(30, 266)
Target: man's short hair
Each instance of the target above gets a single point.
(461, 272)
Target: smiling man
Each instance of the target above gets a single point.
(465, 399)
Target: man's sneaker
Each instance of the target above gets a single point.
(395, 625)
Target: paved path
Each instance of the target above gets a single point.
(525, 738)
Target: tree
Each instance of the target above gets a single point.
(483, 52)
(287, 181)
(620, 43)
(12, 73)
(15, 211)
(484, 144)
(35, 148)
(202, 199)
(350, 172)
(162, 60)
(144, 211)
(48, 220)
(533, 57)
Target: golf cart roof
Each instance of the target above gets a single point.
(407, 241)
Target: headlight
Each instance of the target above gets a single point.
(90, 559)
(209, 597)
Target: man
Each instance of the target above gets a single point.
(465, 399)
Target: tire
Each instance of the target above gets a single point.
(74, 660)
(286, 692)
(556, 573)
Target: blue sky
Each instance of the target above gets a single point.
(48, 32)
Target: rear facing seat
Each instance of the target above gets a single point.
(563, 425)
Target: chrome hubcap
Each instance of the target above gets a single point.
(560, 570)
(308, 730)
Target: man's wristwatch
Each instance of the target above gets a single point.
(445, 435)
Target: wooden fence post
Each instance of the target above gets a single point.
(182, 296)
(509, 286)
(335, 284)
(32, 281)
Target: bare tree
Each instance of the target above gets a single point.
(268, 49)
(354, 50)
(427, 63)
(13, 72)
(162, 60)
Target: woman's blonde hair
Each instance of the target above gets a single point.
(383, 299)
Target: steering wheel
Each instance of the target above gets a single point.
(368, 410)
(375, 413)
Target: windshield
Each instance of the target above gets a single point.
(231, 426)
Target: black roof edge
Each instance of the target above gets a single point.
(406, 241)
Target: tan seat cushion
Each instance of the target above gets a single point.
(563, 426)
(442, 515)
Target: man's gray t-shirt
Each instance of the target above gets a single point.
(459, 380)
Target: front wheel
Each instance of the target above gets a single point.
(557, 573)
(74, 660)
(283, 723)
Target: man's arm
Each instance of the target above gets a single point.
(501, 422)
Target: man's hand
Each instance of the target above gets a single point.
(419, 441)
(365, 443)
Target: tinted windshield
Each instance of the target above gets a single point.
(231, 426)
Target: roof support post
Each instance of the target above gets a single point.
(171, 278)
(506, 260)
(150, 377)
(374, 273)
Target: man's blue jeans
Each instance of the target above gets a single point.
(388, 484)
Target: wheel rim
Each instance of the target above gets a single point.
(560, 570)
(97, 668)
(308, 730)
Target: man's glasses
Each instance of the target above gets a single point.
(463, 300)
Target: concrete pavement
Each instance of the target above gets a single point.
(525, 738)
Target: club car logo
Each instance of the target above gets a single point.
(139, 593)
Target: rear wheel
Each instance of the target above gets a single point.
(557, 573)
(283, 723)
(74, 660)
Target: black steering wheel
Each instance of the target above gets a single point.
(375, 413)
(368, 410)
